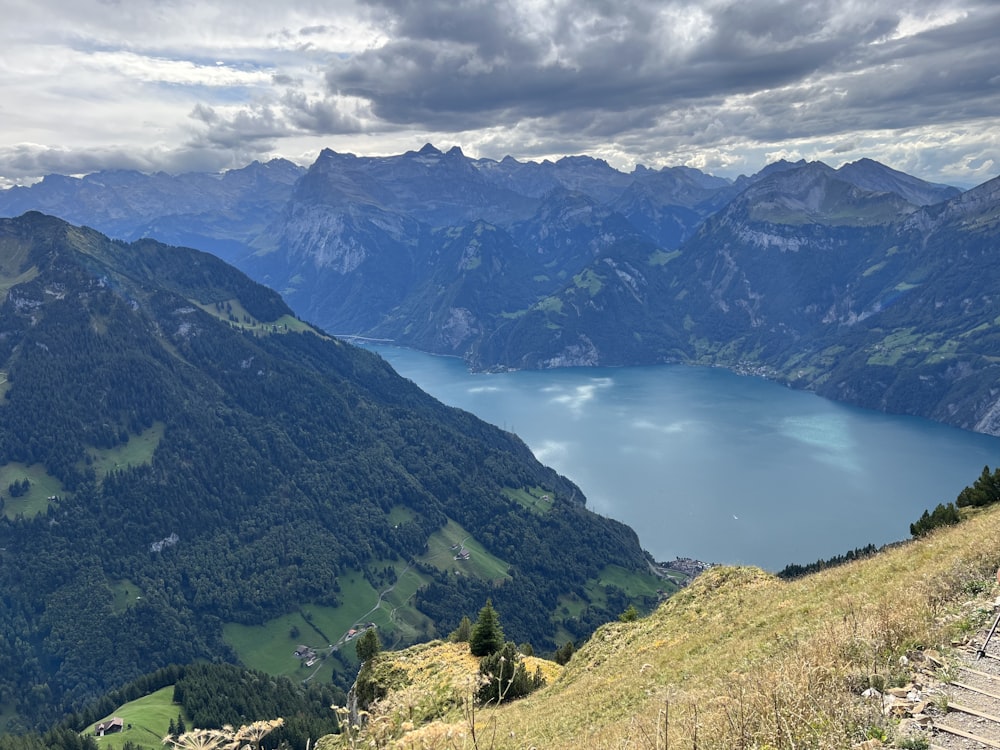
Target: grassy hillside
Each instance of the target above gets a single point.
(743, 659)
(146, 721)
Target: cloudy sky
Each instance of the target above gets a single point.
(723, 85)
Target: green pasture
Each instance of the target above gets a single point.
(549, 304)
(393, 612)
(270, 647)
(36, 500)
(441, 555)
(588, 280)
(232, 312)
(400, 514)
(398, 620)
(137, 451)
(13, 254)
(570, 606)
(904, 342)
(535, 499)
(662, 257)
(875, 268)
(633, 584)
(123, 595)
(147, 721)
(513, 314)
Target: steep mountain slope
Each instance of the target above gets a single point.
(860, 296)
(181, 457)
(878, 178)
(355, 243)
(928, 347)
(743, 659)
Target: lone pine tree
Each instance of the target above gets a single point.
(487, 635)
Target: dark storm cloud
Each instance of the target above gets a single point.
(460, 68)
(724, 85)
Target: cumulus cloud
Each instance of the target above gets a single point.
(715, 84)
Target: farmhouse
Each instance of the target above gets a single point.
(304, 652)
(110, 726)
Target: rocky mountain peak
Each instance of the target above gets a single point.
(878, 178)
(813, 192)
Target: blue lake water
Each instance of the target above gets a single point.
(707, 464)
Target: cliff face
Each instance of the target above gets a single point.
(862, 283)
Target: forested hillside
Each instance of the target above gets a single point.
(179, 455)
(861, 283)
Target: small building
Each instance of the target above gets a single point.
(112, 725)
(303, 652)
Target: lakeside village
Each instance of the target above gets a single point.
(687, 565)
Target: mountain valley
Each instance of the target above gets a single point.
(861, 283)
(193, 473)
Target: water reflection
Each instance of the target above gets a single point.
(703, 463)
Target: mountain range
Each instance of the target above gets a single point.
(861, 283)
(190, 472)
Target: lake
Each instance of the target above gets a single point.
(707, 464)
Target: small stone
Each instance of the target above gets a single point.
(933, 657)
(899, 711)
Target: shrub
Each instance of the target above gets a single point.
(504, 676)
(463, 632)
(564, 653)
(368, 645)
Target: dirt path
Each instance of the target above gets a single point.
(968, 716)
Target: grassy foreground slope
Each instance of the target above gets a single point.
(743, 659)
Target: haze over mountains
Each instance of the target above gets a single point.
(862, 283)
